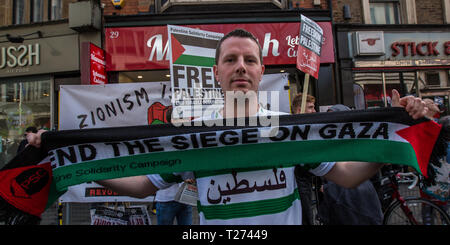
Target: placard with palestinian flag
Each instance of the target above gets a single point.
(194, 88)
(385, 135)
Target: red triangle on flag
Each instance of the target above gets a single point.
(177, 48)
(422, 138)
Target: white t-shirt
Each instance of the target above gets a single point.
(168, 194)
(247, 196)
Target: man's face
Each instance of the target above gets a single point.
(310, 108)
(239, 67)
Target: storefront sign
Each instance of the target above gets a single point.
(425, 48)
(98, 65)
(417, 45)
(402, 63)
(309, 48)
(93, 65)
(146, 48)
(20, 56)
(409, 49)
(39, 56)
(369, 43)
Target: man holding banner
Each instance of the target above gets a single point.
(258, 195)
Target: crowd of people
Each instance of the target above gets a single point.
(348, 194)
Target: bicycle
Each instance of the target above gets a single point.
(408, 210)
(316, 185)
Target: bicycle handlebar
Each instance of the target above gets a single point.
(409, 174)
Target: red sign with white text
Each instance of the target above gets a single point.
(310, 47)
(146, 48)
(97, 65)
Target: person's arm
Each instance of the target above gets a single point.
(135, 186)
(352, 174)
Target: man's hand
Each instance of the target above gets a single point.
(414, 106)
(34, 139)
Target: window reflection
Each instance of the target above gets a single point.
(37, 12)
(377, 91)
(19, 12)
(22, 104)
(56, 10)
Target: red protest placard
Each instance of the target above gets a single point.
(309, 47)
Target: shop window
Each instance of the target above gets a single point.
(22, 104)
(377, 87)
(18, 12)
(384, 12)
(432, 79)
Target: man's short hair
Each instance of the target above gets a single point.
(238, 33)
(297, 101)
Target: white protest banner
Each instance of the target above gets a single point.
(274, 92)
(110, 105)
(194, 88)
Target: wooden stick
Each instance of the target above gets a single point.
(305, 93)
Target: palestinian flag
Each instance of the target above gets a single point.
(75, 156)
(193, 47)
(25, 187)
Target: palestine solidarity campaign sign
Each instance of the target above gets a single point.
(194, 88)
(35, 178)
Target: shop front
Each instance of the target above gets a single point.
(415, 60)
(141, 53)
(30, 71)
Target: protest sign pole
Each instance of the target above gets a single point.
(305, 93)
(308, 53)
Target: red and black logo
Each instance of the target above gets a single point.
(29, 182)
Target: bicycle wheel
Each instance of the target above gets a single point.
(423, 212)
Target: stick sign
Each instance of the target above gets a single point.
(309, 47)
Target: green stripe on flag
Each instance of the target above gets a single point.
(195, 61)
(240, 156)
(248, 209)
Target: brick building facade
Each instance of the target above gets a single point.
(422, 11)
(430, 11)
